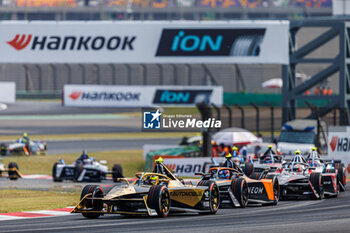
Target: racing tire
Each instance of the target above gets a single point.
(94, 205)
(117, 172)
(258, 176)
(239, 188)
(214, 196)
(3, 149)
(79, 167)
(248, 169)
(316, 181)
(341, 177)
(276, 188)
(159, 199)
(13, 174)
(54, 169)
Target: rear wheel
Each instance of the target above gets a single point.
(248, 169)
(276, 187)
(239, 189)
(316, 181)
(341, 177)
(117, 172)
(92, 205)
(13, 175)
(54, 173)
(159, 199)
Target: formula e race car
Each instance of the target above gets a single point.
(238, 190)
(12, 170)
(19, 148)
(299, 180)
(330, 170)
(85, 169)
(151, 194)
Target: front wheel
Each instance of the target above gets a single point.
(92, 205)
(54, 173)
(239, 189)
(316, 182)
(341, 177)
(276, 187)
(159, 199)
(117, 172)
(13, 168)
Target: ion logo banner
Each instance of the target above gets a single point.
(210, 42)
(139, 96)
(144, 42)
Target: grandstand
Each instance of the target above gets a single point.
(162, 9)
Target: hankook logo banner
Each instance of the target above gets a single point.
(144, 42)
(140, 96)
(339, 144)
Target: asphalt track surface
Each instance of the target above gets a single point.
(327, 215)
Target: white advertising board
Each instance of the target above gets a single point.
(339, 144)
(139, 96)
(248, 42)
(187, 167)
(7, 92)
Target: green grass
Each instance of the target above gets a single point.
(100, 136)
(26, 200)
(131, 161)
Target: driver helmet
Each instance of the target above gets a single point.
(159, 160)
(84, 154)
(153, 180)
(297, 168)
(224, 174)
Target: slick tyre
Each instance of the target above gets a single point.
(316, 181)
(213, 196)
(276, 188)
(13, 175)
(3, 149)
(159, 199)
(248, 169)
(117, 172)
(92, 205)
(341, 177)
(79, 167)
(54, 173)
(239, 189)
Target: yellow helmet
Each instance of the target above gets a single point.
(234, 148)
(297, 152)
(159, 160)
(213, 142)
(228, 155)
(314, 148)
(154, 180)
(25, 134)
(269, 146)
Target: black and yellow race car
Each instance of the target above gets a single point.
(237, 189)
(151, 194)
(12, 171)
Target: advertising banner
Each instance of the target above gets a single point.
(144, 42)
(339, 144)
(187, 167)
(7, 92)
(139, 96)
